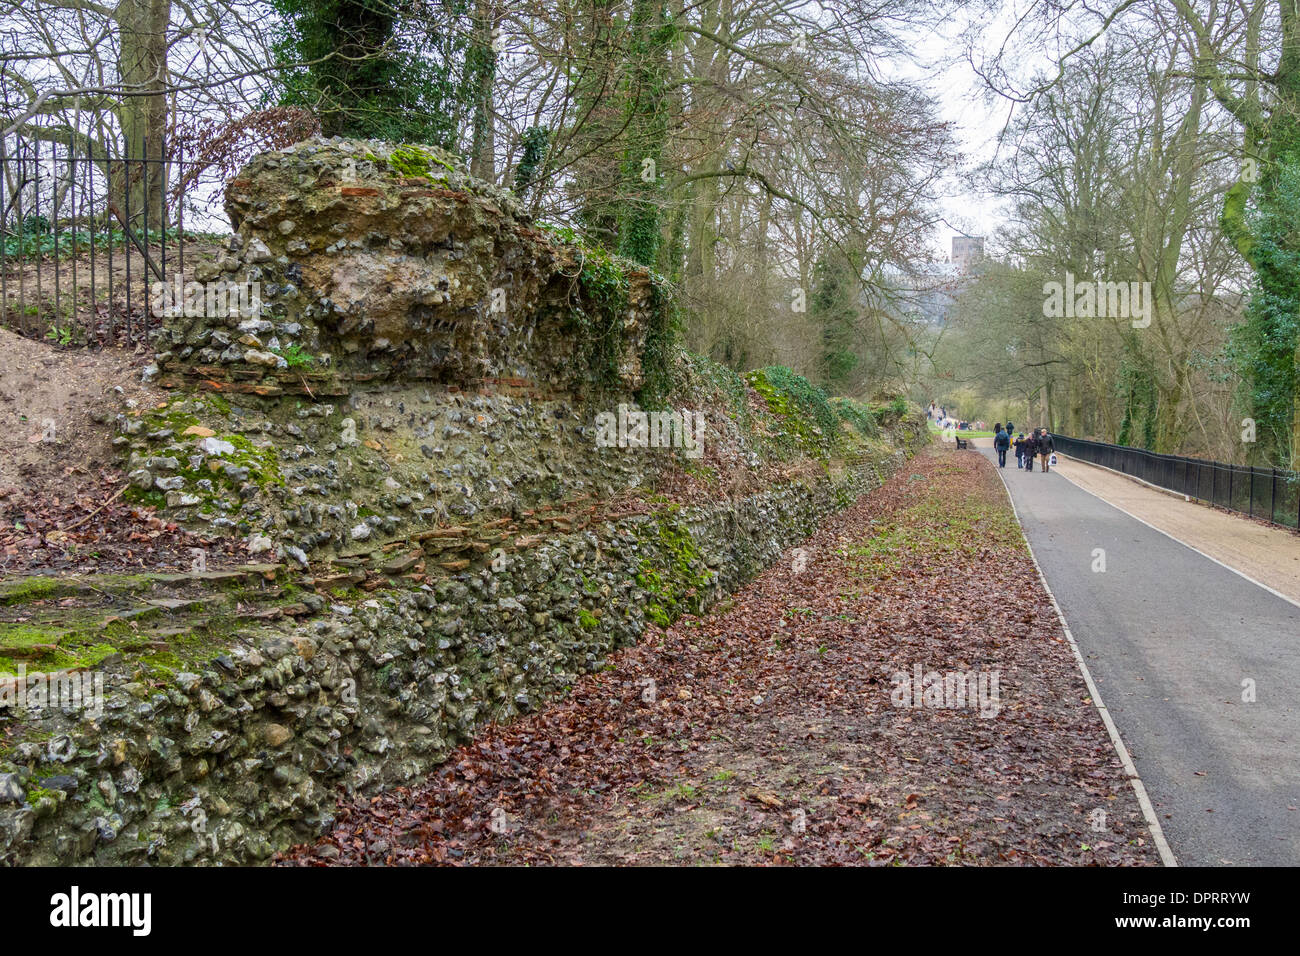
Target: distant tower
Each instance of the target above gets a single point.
(966, 250)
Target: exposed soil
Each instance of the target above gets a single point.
(57, 468)
(768, 732)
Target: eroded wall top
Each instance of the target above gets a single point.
(357, 260)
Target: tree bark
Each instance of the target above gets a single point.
(142, 67)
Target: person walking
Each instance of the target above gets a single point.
(1019, 444)
(1030, 446)
(1045, 447)
(1001, 442)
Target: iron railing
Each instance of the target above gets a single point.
(83, 240)
(1269, 493)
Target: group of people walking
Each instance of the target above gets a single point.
(1038, 444)
(939, 415)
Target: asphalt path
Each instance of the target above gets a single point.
(1171, 639)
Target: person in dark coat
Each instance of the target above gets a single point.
(1001, 442)
(1045, 447)
(1030, 448)
(1019, 444)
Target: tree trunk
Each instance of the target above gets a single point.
(639, 230)
(142, 66)
(483, 146)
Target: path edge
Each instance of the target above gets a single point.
(1170, 535)
(1140, 791)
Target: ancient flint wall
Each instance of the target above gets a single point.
(450, 545)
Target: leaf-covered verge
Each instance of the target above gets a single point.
(767, 733)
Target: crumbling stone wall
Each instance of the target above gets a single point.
(413, 339)
(385, 262)
(444, 540)
(246, 753)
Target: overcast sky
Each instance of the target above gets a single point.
(941, 69)
(946, 75)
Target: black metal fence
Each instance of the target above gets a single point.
(83, 240)
(1269, 493)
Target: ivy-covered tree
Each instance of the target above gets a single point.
(620, 124)
(596, 122)
(1260, 215)
(1265, 344)
(535, 142)
(400, 71)
(640, 200)
(835, 312)
(1139, 394)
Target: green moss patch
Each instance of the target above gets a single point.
(809, 421)
(114, 614)
(410, 161)
(23, 590)
(675, 581)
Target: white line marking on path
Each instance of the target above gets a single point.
(1190, 547)
(1148, 811)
